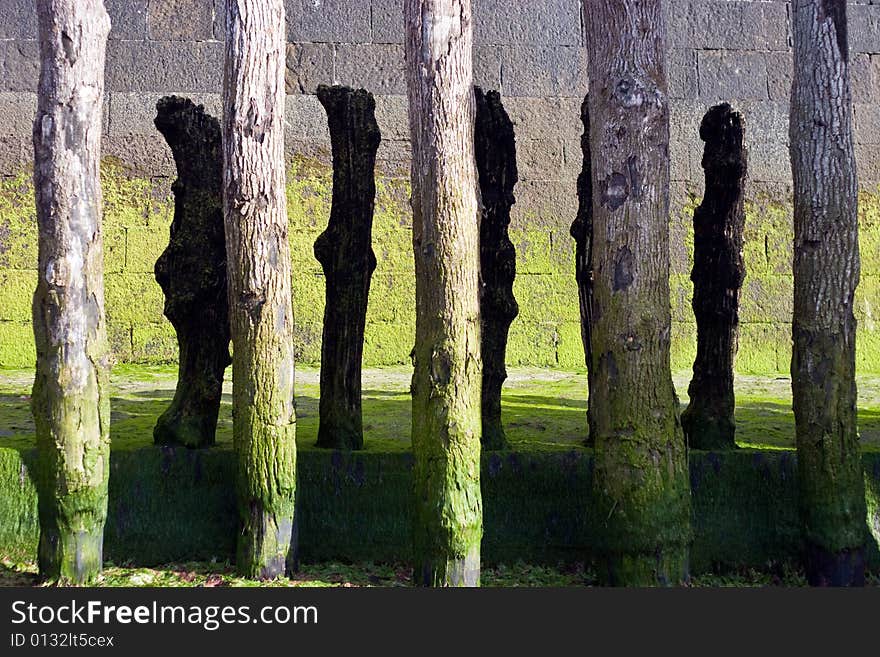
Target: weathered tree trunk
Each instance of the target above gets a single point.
(718, 275)
(495, 147)
(582, 232)
(258, 255)
(447, 378)
(346, 255)
(641, 482)
(71, 399)
(192, 274)
(826, 273)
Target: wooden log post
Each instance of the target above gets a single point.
(495, 150)
(582, 232)
(447, 369)
(346, 255)
(259, 275)
(641, 485)
(192, 274)
(826, 267)
(718, 276)
(71, 396)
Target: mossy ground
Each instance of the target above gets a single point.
(744, 538)
(542, 408)
(519, 574)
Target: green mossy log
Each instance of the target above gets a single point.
(826, 268)
(346, 255)
(71, 397)
(447, 368)
(641, 480)
(259, 275)
(192, 274)
(495, 150)
(718, 275)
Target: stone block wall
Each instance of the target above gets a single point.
(533, 52)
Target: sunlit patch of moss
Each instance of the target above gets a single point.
(542, 409)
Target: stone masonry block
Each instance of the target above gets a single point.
(747, 25)
(133, 113)
(140, 155)
(16, 154)
(378, 68)
(305, 120)
(545, 23)
(18, 109)
(346, 21)
(868, 164)
(682, 73)
(545, 118)
(864, 28)
(865, 77)
(392, 117)
(487, 67)
(128, 18)
(544, 71)
(161, 65)
(18, 20)
(768, 161)
(779, 71)
(539, 159)
(727, 75)
(684, 121)
(765, 121)
(387, 21)
(180, 20)
(309, 65)
(867, 123)
(686, 24)
(19, 65)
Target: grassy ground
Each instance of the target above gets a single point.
(542, 408)
(372, 574)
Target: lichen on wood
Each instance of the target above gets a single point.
(495, 149)
(71, 396)
(826, 268)
(259, 275)
(718, 275)
(192, 274)
(447, 369)
(641, 484)
(346, 255)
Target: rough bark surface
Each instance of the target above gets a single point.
(71, 400)
(258, 258)
(582, 232)
(346, 255)
(192, 274)
(495, 147)
(641, 482)
(718, 275)
(447, 376)
(826, 273)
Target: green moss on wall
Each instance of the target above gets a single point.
(170, 505)
(138, 214)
